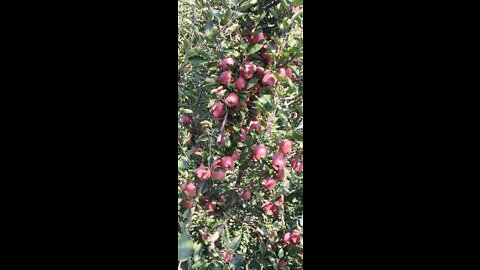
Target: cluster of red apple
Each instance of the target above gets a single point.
(247, 71)
(233, 81)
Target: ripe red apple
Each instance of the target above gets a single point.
(281, 263)
(257, 38)
(231, 100)
(255, 125)
(203, 172)
(280, 201)
(227, 62)
(246, 195)
(243, 136)
(286, 146)
(297, 165)
(269, 183)
(269, 209)
(295, 237)
(269, 79)
(210, 206)
(235, 155)
(279, 161)
(218, 174)
(259, 152)
(281, 72)
(186, 120)
(286, 238)
(259, 72)
(188, 189)
(227, 256)
(222, 199)
(240, 83)
(248, 71)
(218, 110)
(225, 77)
(289, 73)
(226, 163)
(186, 203)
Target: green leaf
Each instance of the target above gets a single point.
(252, 82)
(297, 3)
(185, 247)
(238, 260)
(181, 165)
(255, 48)
(261, 246)
(235, 242)
(244, 44)
(233, 53)
(196, 60)
(187, 111)
(208, 27)
(297, 135)
(281, 253)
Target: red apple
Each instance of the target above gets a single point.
(231, 100)
(235, 155)
(218, 110)
(188, 189)
(187, 204)
(269, 79)
(281, 263)
(246, 195)
(257, 38)
(243, 136)
(259, 72)
(227, 256)
(248, 71)
(295, 238)
(203, 172)
(289, 73)
(269, 183)
(279, 161)
(186, 120)
(227, 62)
(286, 146)
(240, 83)
(269, 209)
(297, 165)
(225, 77)
(281, 72)
(226, 163)
(218, 174)
(255, 125)
(259, 152)
(210, 206)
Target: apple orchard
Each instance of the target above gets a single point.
(240, 134)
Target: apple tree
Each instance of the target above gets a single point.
(240, 134)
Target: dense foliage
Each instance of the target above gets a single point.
(240, 134)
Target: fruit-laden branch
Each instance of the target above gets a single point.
(231, 206)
